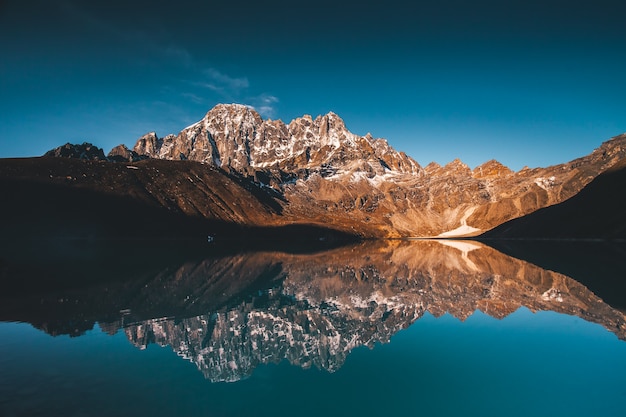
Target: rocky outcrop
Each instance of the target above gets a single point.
(149, 145)
(122, 154)
(490, 170)
(86, 151)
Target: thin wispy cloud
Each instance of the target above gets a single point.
(194, 98)
(225, 81)
(230, 89)
(265, 105)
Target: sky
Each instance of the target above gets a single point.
(529, 83)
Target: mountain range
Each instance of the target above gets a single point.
(234, 171)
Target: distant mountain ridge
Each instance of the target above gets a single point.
(84, 151)
(316, 172)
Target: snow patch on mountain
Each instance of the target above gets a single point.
(464, 229)
(545, 183)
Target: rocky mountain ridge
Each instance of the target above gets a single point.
(236, 137)
(328, 175)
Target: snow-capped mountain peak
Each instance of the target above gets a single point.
(234, 136)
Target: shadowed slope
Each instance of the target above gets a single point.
(597, 212)
(70, 198)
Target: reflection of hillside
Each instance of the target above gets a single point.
(332, 302)
(187, 288)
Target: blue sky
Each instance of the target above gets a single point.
(525, 82)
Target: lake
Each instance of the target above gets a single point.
(428, 328)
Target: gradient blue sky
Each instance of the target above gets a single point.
(526, 82)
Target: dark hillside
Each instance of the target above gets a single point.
(52, 198)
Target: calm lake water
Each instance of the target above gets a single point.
(425, 328)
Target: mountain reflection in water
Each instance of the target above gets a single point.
(230, 314)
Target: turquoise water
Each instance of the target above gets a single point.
(539, 364)
(380, 328)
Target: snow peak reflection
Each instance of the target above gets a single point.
(331, 302)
